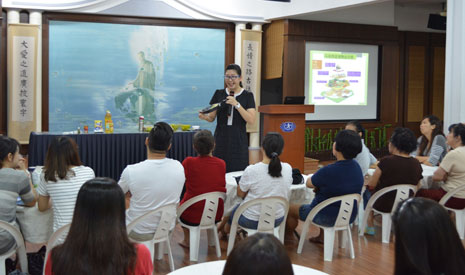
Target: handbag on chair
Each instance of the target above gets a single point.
(297, 177)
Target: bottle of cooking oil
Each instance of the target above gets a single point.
(108, 123)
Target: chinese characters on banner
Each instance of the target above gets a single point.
(251, 59)
(23, 116)
(22, 86)
(250, 67)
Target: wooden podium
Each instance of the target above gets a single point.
(289, 121)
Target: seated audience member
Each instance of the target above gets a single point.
(14, 182)
(60, 180)
(397, 168)
(426, 240)
(431, 145)
(259, 254)
(268, 178)
(152, 183)
(364, 158)
(97, 242)
(204, 174)
(451, 170)
(340, 178)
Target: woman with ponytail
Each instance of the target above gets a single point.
(268, 178)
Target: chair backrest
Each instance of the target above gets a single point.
(57, 238)
(209, 211)
(167, 218)
(269, 207)
(267, 218)
(345, 210)
(403, 193)
(20, 246)
(450, 194)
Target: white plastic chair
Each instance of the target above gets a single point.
(206, 222)
(57, 238)
(402, 193)
(459, 213)
(361, 210)
(266, 221)
(19, 248)
(342, 223)
(162, 232)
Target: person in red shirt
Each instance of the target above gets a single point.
(97, 242)
(204, 173)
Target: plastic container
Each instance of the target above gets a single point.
(108, 123)
(98, 126)
(141, 124)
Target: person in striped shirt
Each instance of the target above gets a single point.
(14, 182)
(60, 180)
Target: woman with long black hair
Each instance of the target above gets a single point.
(426, 240)
(431, 147)
(97, 242)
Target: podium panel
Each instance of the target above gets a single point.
(289, 121)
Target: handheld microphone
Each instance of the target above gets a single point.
(230, 109)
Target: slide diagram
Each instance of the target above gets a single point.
(338, 78)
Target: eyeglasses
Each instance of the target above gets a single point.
(233, 77)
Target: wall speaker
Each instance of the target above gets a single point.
(437, 22)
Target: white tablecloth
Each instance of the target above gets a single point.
(300, 194)
(427, 181)
(36, 226)
(216, 267)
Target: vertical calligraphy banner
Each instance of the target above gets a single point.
(22, 60)
(251, 68)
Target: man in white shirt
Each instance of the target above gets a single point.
(152, 183)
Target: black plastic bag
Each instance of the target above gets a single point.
(35, 261)
(297, 177)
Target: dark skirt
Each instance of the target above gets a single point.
(231, 145)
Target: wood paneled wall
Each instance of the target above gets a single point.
(411, 68)
(424, 67)
(439, 64)
(415, 83)
(273, 52)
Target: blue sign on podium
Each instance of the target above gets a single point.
(287, 126)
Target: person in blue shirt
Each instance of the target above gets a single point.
(340, 178)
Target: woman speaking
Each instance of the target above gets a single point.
(231, 142)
